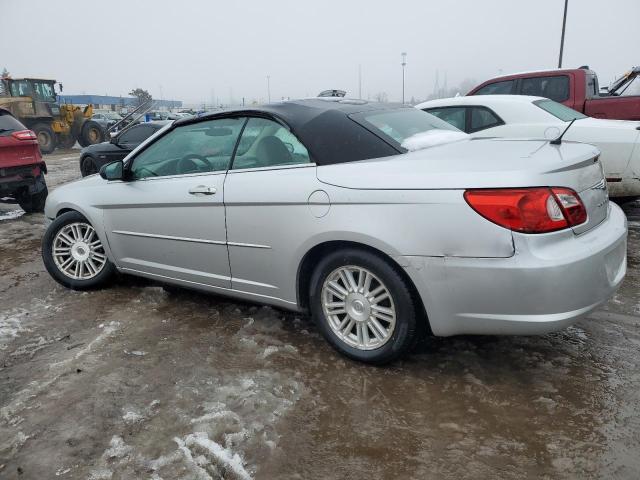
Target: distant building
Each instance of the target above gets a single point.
(107, 102)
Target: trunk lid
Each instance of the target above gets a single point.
(484, 163)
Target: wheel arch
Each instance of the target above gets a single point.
(94, 219)
(311, 258)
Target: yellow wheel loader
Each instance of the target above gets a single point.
(33, 102)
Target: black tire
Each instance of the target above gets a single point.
(88, 166)
(91, 134)
(46, 137)
(32, 201)
(99, 280)
(405, 333)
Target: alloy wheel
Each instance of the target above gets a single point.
(358, 307)
(78, 252)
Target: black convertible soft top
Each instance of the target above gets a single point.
(323, 125)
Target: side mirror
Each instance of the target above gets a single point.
(113, 171)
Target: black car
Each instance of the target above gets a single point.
(93, 157)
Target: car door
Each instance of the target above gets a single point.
(267, 193)
(167, 220)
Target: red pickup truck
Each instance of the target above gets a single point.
(576, 88)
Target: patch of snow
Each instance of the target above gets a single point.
(117, 448)
(32, 347)
(11, 215)
(271, 349)
(431, 138)
(137, 353)
(229, 460)
(131, 418)
(101, 474)
(11, 325)
(62, 471)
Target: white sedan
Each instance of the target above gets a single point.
(514, 116)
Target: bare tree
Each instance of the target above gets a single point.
(381, 97)
(142, 95)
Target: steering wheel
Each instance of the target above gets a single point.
(189, 164)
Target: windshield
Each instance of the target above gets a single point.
(399, 125)
(44, 91)
(20, 88)
(559, 110)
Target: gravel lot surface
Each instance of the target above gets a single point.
(133, 382)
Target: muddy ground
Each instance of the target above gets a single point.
(132, 382)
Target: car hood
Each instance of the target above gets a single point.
(475, 163)
(100, 147)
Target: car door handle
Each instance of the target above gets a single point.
(202, 190)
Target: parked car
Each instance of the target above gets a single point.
(535, 117)
(382, 221)
(93, 157)
(106, 119)
(22, 169)
(576, 88)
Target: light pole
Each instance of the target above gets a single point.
(564, 24)
(360, 81)
(268, 89)
(404, 63)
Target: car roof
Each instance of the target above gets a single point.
(301, 110)
(323, 125)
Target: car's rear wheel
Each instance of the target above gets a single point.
(74, 255)
(89, 166)
(46, 137)
(32, 202)
(363, 306)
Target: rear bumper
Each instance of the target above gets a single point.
(552, 281)
(13, 178)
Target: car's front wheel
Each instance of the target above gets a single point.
(74, 255)
(363, 306)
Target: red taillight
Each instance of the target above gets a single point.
(24, 135)
(529, 210)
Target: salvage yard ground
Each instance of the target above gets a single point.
(133, 382)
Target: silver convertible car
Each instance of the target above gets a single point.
(381, 221)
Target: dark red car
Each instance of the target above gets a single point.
(577, 88)
(22, 169)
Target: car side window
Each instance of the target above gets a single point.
(556, 87)
(455, 116)
(266, 143)
(135, 135)
(483, 118)
(193, 148)
(497, 88)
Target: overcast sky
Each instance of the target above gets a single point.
(192, 50)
